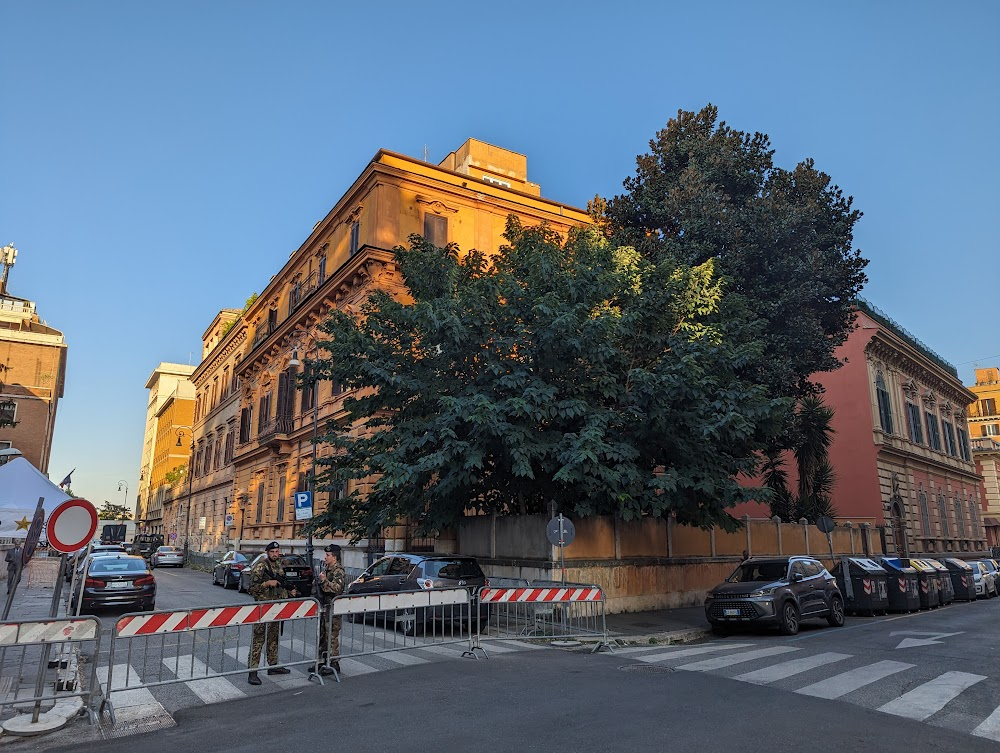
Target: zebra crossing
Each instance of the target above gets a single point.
(151, 705)
(962, 701)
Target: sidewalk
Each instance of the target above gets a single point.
(680, 625)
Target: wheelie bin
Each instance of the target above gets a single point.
(947, 588)
(962, 579)
(929, 581)
(863, 584)
(904, 590)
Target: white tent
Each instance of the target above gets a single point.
(21, 484)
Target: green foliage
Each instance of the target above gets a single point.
(253, 297)
(111, 511)
(176, 475)
(578, 372)
(782, 240)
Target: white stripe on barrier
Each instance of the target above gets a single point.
(45, 632)
(448, 597)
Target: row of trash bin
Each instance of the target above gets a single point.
(894, 584)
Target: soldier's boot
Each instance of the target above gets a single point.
(253, 679)
(279, 671)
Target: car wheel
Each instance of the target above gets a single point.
(836, 616)
(215, 578)
(227, 582)
(239, 586)
(789, 622)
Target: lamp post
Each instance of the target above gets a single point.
(190, 475)
(125, 497)
(295, 362)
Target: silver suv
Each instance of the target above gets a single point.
(779, 591)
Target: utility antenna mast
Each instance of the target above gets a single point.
(7, 256)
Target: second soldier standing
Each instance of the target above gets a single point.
(330, 585)
(266, 581)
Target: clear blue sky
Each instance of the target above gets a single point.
(160, 161)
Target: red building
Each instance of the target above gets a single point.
(901, 449)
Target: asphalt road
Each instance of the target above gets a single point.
(544, 700)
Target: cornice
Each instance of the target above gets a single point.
(211, 365)
(897, 357)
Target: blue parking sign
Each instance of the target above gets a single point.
(303, 505)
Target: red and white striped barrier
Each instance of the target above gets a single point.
(548, 595)
(56, 631)
(196, 619)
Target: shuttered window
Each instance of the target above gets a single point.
(436, 229)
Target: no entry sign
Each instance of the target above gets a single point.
(72, 525)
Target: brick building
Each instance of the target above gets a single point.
(32, 374)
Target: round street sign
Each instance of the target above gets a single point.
(71, 525)
(825, 523)
(560, 531)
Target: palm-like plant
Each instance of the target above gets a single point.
(814, 436)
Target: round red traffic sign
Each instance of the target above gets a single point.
(71, 525)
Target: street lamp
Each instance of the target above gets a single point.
(125, 498)
(190, 474)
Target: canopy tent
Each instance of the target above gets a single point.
(21, 484)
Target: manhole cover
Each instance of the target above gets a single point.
(645, 669)
(137, 726)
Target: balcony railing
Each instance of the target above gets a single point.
(985, 444)
(280, 425)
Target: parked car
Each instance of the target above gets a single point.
(116, 581)
(98, 550)
(167, 555)
(414, 572)
(780, 591)
(298, 574)
(986, 581)
(226, 572)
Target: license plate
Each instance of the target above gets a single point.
(120, 584)
(291, 573)
(730, 613)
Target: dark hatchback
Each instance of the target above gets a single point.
(116, 581)
(226, 572)
(775, 591)
(421, 572)
(298, 574)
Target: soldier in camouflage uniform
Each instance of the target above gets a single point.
(266, 580)
(330, 584)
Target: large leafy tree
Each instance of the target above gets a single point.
(574, 371)
(782, 240)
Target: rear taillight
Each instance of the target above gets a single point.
(307, 573)
(93, 583)
(145, 580)
(486, 583)
(426, 583)
(238, 567)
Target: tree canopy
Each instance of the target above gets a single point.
(573, 371)
(782, 241)
(111, 511)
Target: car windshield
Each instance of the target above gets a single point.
(451, 568)
(167, 550)
(761, 572)
(117, 566)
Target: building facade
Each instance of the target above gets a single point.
(901, 448)
(466, 199)
(168, 420)
(32, 374)
(986, 451)
(984, 413)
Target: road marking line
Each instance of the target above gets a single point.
(451, 652)
(403, 658)
(209, 689)
(846, 682)
(682, 652)
(789, 668)
(727, 661)
(519, 645)
(929, 698)
(352, 668)
(990, 728)
(139, 700)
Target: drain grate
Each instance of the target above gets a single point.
(645, 669)
(137, 726)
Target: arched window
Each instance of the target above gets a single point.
(884, 404)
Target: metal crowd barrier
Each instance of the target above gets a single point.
(382, 623)
(27, 643)
(543, 611)
(160, 648)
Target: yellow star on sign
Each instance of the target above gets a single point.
(23, 523)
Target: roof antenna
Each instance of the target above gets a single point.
(426, 154)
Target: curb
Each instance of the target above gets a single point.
(669, 638)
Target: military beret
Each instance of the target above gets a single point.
(272, 545)
(332, 549)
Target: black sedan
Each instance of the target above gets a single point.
(116, 581)
(226, 572)
(298, 574)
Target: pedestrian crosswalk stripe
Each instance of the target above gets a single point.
(209, 689)
(738, 658)
(495, 646)
(134, 703)
(403, 657)
(929, 698)
(846, 682)
(788, 668)
(352, 668)
(450, 651)
(990, 728)
(682, 652)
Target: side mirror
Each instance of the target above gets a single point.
(796, 577)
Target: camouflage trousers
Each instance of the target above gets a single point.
(325, 633)
(271, 631)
